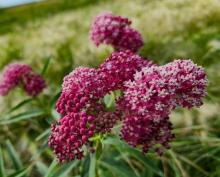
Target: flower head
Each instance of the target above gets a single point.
(16, 74)
(148, 94)
(189, 81)
(34, 84)
(120, 67)
(147, 134)
(130, 39)
(69, 135)
(159, 89)
(116, 31)
(80, 88)
(106, 28)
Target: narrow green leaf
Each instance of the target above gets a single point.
(22, 103)
(188, 161)
(2, 169)
(147, 173)
(13, 155)
(117, 169)
(46, 66)
(51, 168)
(54, 99)
(176, 165)
(65, 169)
(85, 165)
(135, 153)
(45, 134)
(23, 116)
(20, 173)
(98, 149)
(92, 165)
(55, 114)
(41, 167)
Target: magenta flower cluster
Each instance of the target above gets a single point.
(16, 74)
(69, 135)
(153, 94)
(149, 93)
(116, 31)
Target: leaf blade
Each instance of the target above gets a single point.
(13, 155)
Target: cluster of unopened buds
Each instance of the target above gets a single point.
(17, 74)
(149, 93)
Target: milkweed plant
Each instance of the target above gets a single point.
(143, 92)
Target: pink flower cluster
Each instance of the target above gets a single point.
(149, 94)
(80, 88)
(152, 95)
(120, 67)
(16, 74)
(83, 91)
(143, 132)
(189, 81)
(115, 31)
(69, 135)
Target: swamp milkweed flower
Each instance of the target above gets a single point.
(153, 94)
(116, 31)
(16, 74)
(149, 93)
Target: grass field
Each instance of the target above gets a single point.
(58, 31)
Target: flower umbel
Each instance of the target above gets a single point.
(120, 67)
(147, 94)
(116, 31)
(16, 74)
(69, 134)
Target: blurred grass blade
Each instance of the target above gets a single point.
(22, 103)
(2, 169)
(55, 114)
(41, 167)
(54, 100)
(180, 170)
(135, 153)
(117, 170)
(113, 170)
(150, 163)
(22, 116)
(13, 155)
(20, 173)
(188, 161)
(64, 170)
(85, 165)
(46, 65)
(51, 168)
(45, 134)
(92, 165)
(98, 149)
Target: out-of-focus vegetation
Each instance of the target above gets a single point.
(54, 35)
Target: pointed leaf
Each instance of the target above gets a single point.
(46, 65)
(20, 173)
(2, 169)
(23, 116)
(22, 103)
(92, 165)
(65, 169)
(51, 168)
(42, 168)
(13, 155)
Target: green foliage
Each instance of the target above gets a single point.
(52, 36)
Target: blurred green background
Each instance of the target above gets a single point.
(53, 37)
